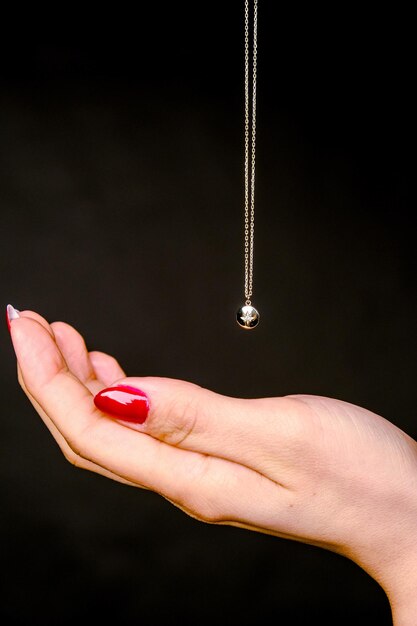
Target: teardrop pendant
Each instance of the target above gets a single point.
(247, 317)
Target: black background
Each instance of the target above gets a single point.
(121, 187)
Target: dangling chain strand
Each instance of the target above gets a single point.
(247, 316)
(250, 209)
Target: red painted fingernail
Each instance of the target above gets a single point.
(11, 314)
(124, 403)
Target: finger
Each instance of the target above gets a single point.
(38, 318)
(63, 445)
(89, 367)
(69, 454)
(72, 346)
(106, 367)
(190, 417)
(208, 488)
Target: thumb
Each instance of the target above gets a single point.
(183, 414)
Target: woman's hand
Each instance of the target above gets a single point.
(308, 468)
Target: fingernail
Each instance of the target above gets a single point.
(11, 314)
(123, 402)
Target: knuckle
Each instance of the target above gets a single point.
(78, 445)
(208, 513)
(20, 379)
(72, 457)
(201, 507)
(69, 452)
(297, 424)
(180, 420)
(72, 451)
(75, 451)
(199, 496)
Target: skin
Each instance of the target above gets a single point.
(308, 468)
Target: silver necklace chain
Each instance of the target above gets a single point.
(250, 134)
(247, 316)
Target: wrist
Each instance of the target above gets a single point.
(382, 532)
(404, 610)
(392, 562)
(401, 587)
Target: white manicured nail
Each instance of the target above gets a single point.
(11, 314)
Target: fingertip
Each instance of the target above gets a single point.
(33, 315)
(64, 331)
(25, 330)
(106, 367)
(36, 351)
(28, 313)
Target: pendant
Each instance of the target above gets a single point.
(247, 317)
